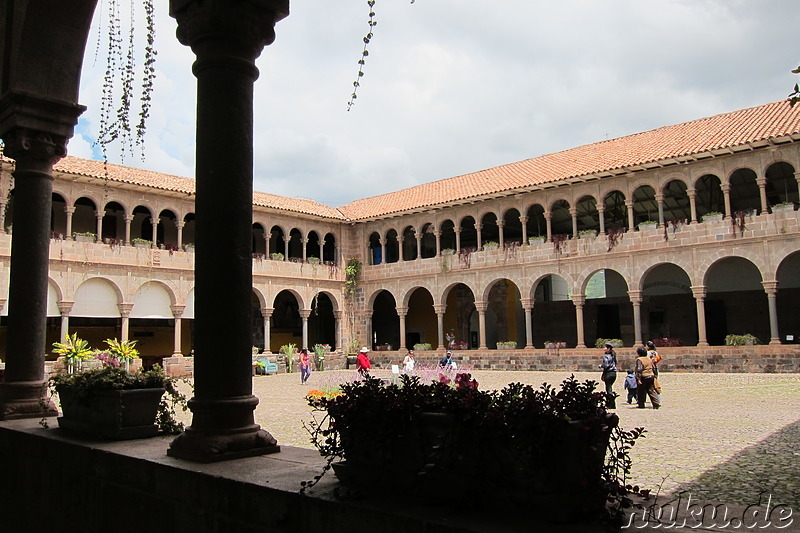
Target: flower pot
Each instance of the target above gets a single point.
(111, 414)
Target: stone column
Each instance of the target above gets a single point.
(660, 200)
(573, 213)
(155, 222)
(439, 309)
(401, 313)
(601, 217)
(124, 313)
(457, 231)
(481, 308)
(337, 328)
(419, 245)
(304, 243)
(64, 307)
(382, 242)
(548, 221)
(2, 213)
(692, 194)
(631, 221)
(370, 334)
(527, 306)
(128, 220)
(699, 293)
(636, 299)
(226, 37)
(266, 312)
(501, 240)
(286, 240)
(99, 232)
(69, 210)
(304, 314)
(726, 194)
(478, 228)
(179, 224)
(762, 193)
(523, 220)
(579, 300)
(22, 393)
(436, 233)
(771, 288)
(177, 313)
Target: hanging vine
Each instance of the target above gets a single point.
(119, 79)
(371, 23)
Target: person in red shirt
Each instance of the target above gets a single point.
(362, 362)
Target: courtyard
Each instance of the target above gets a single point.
(722, 437)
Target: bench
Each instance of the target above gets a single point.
(263, 365)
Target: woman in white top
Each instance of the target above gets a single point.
(409, 362)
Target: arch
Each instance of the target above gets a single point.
(113, 224)
(153, 299)
(188, 311)
(385, 321)
(554, 318)
(675, 198)
(645, 207)
(408, 243)
(460, 317)
(536, 225)
(376, 252)
(428, 244)
(58, 217)
(735, 301)
(490, 231)
(295, 247)
(615, 211)
(607, 311)
(392, 246)
(286, 325)
(97, 298)
(322, 320)
(469, 233)
(505, 318)
(744, 193)
(560, 218)
(329, 249)
(781, 184)
(277, 244)
(258, 240)
(84, 218)
(447, 239)
(141, 223)
(313, 246)
(788, 277)
(421, 322)
(708, 195)
(588, 217)
(167, 229)
(668, 308)
(189, 223)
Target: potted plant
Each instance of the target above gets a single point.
(111, 403)
(188, 247)
(587, 234)
(312, 260)
(506, 345)
(490, 245)
(741, 340)
(647, 224)
(74, 350)
(782, 207)
(449, 437)
(319, 355)
(141, 243)
(712, 216)
(86, 236)
(276, 256)
(288, 353)
(124, 351)
(536, 239)
(448, 251)
(422, 347)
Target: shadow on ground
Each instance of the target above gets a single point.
(769, 467)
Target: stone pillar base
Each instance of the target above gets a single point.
(206, 447)
(25, 399)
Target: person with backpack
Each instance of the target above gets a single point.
(645, 377)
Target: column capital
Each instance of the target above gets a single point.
(125, 309)
(635, 296)
(128, 218)
(527, 303)
(201, 24)
(39, 148)
(69, 209)
(266, 312)
(578, 299)
(177, 310)
(439, 308)
(481, 307)
(437, 233)
(179, 224)
(64, 307)
(401, 311)
(770, 286)
(368, 313)
(698, 291)
(501, 223)
(305, 313)
(601, 207)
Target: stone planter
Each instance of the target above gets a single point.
(712, 218)
(84, 238)
(784, 208)
(644, 226)
(490, 247)
(142, 244)
(111, 414)
(535, 240)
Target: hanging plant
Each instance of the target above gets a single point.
(558, 242)
(371, 23)
(119, 79)
(737, 222)
(614, 235)
(352, 273)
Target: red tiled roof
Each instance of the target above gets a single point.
(157, 180)
(689, 138)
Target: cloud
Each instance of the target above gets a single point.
(452, 87)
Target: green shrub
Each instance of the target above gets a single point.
(741, 340)
(600, 343)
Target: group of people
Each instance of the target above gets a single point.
(409, 361)
(640, 382)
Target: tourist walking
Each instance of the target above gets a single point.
(362, 361)
(609, 375)
(630, 386)
(305, 366)
(653, 355)
(645, 379)
(409, 362)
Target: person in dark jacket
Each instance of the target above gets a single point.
(609, 376)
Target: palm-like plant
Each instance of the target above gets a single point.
(73, 349)
(124, 351)
(288, 351)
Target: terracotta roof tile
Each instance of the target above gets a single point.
(689, 138)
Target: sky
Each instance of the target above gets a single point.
(456, 86)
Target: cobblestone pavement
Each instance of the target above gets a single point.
(723, 437)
